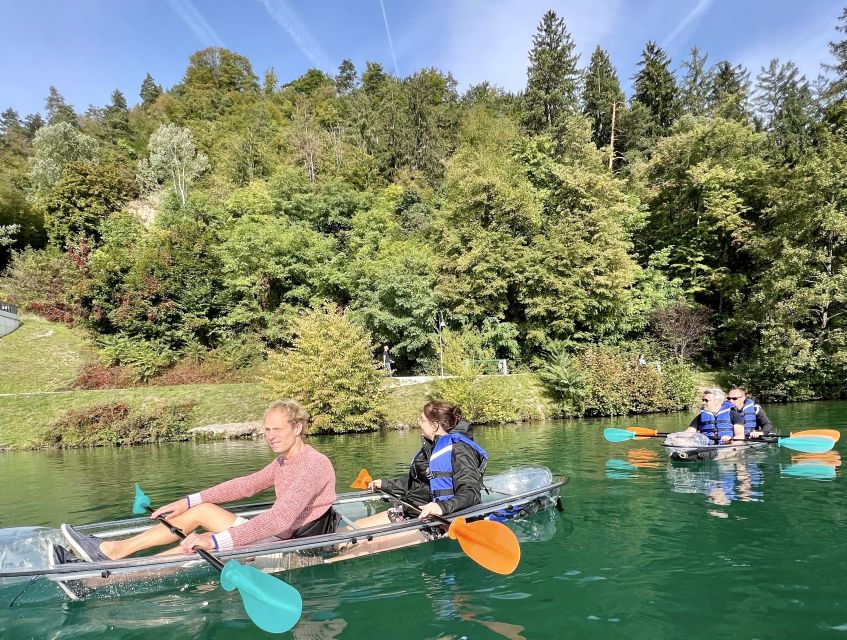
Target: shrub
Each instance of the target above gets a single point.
(97, 376)
(604, 381)
(565, 382)
(331, 372)
(481, 398)
(490, 398)
(117, 424)
(145, 358)
(43, 282)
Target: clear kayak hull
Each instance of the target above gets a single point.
(513, 494)
(700, 453)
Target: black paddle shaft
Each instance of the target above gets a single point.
(208, 557)
(416, 508)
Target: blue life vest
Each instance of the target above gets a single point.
(441, 464)
(716, 425)
(750, 410)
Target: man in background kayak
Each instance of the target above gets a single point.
(749, 415)
(304, 481)
(714, 419)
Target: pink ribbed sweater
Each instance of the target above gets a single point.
(305, 489)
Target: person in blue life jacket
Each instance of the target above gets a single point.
(445, 474)
(714, 419)
(748, 414)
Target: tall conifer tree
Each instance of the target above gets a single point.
(552, 80)
(694, 93)
(655, 88)
(601, 90)
(729, 90)
(58, 110)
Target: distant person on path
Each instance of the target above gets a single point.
(304, 481)
(641, 361)
(749, 415)
(387, 361)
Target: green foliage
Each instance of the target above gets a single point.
(77, 204)
(116, 424)
(617, 385)
(145, 358)
(173, 159)
(552, 78)
(601, 90)
(55, 146)
(44, 282)
(482, 398)
(655, 88)
(329, 369)
(565, 381)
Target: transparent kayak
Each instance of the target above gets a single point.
(702, 452)
(514, 494)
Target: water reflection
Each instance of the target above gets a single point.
(617, 469)
(815, 466)
(721, 481)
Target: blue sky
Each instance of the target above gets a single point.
(87, 48)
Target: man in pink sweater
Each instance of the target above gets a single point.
(303, 479)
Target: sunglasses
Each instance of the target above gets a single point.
(734, 397)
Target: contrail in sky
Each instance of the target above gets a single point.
(196, 22)
(286, 17)
(390, 42)
(696, 11)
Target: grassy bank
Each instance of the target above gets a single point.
(41, 356)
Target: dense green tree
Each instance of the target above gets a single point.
(173, 158)
(271, 268)
(331, 371)
(694, 91)
(150, 91)
(85, 195)
(655, 88)
(787, 109)
(836, 92)
(213, 82)
(799, 303)
(552, 77)
(270, 82)
(55, 146)
(706, 185)
(601, 90)
(57, 109)
(32, 123)
(116, 116)
(346, 78)
(729, 88)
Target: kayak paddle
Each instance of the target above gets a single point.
(829, 433)
(273, 605)
(490, 544)
(812, 443)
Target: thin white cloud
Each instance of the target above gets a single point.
(694, 14)
(196, 22)
(390, 42)
(286, 17)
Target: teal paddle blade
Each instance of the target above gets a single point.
(618, 435)
(141, 501)
(809, 470)
(273, 605)
(807, 444)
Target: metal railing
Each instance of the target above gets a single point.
(9, 308)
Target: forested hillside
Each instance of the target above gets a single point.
(702, 220)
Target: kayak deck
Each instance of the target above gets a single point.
(701, 453)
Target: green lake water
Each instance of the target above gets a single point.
(746, 548)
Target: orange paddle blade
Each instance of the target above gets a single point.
(490, 544)
(830, 458)
(642, 431)
(829, 433)
(362, 480)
